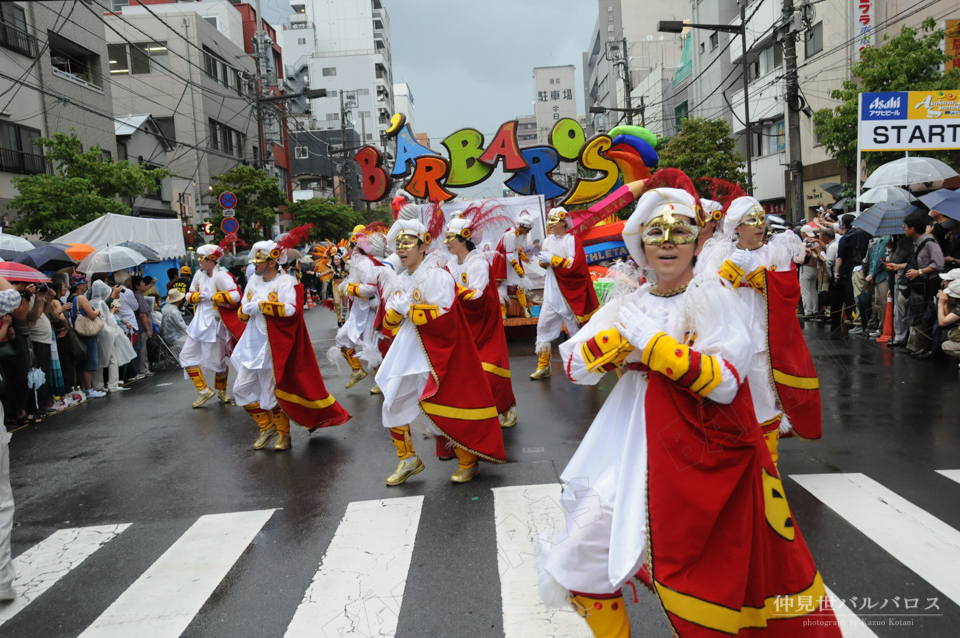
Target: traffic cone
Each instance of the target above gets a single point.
(310, 302)
(887, 322)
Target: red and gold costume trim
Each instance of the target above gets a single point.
(576, 284)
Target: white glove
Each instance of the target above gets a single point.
(402, 302)
(744, 260)
(206, 296)
(251, 308)
(636, 326)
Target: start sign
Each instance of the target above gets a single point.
(910, 121)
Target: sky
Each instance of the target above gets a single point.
(470, 63)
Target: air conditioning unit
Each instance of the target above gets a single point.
(302, 153)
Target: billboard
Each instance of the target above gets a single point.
(910, 121)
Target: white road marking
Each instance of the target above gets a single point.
(953, 475)
(41, 566)
(163, 601)
(919, 540)
(358, 589)
(522, 514)
(850, 624)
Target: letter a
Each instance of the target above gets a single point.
(505, 145)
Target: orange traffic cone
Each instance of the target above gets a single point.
(887, 322)
(310, 302)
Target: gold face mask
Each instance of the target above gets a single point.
(206, 258)
(449, 237)
(755, 218)
(669, 229)
(260, 257)
(406, 242)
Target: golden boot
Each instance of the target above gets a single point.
(468, 466)
(220, 383)
(204, 393)
(358, 373)
(543, 365)
(509, 418)
(606, 617)
(410, 463)
(282, 421)
(522, 300)
(264, 420)
(376, 388)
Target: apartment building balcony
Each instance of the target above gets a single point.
(18, 41)
(12, 161)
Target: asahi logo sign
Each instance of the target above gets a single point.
(910, 121)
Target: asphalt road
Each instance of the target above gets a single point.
(145, 459)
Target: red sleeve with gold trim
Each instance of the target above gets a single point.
(794, 376)
(577, 286)
(498, 270)
(457, 398)
(230, 318)
(300, 388)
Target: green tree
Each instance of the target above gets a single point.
(332, 220)
(258, 197)
(904, 63)
(704, 148)
(81, 187)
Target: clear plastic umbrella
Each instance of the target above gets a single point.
(11, 246)
(907, 171)
(110, 259)
(886, 194)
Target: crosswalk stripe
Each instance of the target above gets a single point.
(41, 566)
(522, 514)
(163, 601)
(850, 624)
(358, 588)
(919, 540)
(953, 475)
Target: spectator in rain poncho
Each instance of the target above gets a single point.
(113, 346)
(173, 329)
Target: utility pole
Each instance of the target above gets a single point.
(746, 95)
(627, 84)
(363, 140)
(343, 144)
(260, 57)
(791, 107)
(643, 112)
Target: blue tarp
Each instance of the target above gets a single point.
(605, 251)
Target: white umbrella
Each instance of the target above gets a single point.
(907, 171)
(886, 194)
(11, 246)
(110, 259)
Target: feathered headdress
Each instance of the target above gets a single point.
(720, 191)
(435, 219)
(674, 178)
(478, 217)
(363, 237)
(227, 243)
(403, 202)
(294, 237)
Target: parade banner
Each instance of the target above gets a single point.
(609, 160)
(910, 121)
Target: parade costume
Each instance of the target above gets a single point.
(431, 378)
(278, 381)
(672, 482)
(214, 329)
(783, 380)
(337, 273)
(480, 302)
(569, 297)
(508, 266)
(357, 333)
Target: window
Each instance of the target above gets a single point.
(73, 61)
(360, 92)
(302, 153)
(680, 113)
(167, 128)
(299, 8)
(329, 71)
(18, 151)
(814, 39)
(13, 15)
(121, 151)
(225, 139)
(332, 117)
(148, 57)
(551, 80)
(219, 70)
(610, 28)
(774, 138)
(306, 80)
(212, 20)
(702, 48)
(378, 25)
(714, 40)
(118, 59)
(364, 113)
(13, 30)
(369, 136)
(301, 41)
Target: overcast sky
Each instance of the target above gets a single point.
(470, 64)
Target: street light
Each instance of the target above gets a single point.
(310, 95)
(675, 26)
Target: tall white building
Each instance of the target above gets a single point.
(343, 46)
(403, 103)
(555, 93)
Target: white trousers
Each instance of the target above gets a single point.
(207, 355)
(254, 386)
(551, 322)
(7, 571)
(113, 375)
(808, 289)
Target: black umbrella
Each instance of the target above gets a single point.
(153, 257)
(833, 188)
(49, 257)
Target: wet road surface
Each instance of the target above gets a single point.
(136, 513)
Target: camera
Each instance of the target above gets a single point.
(42, 288)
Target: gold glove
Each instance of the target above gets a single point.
(422, 313)
(688, 368)
(273, 309)
(606, 351)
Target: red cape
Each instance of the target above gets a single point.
(794, 377)
(300, 388)
(499, 267)
(457, 398)
(386, 339)
(486, 326)
(577, 286)
(717, 563)
(228, 314)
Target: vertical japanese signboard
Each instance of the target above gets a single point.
(864, 21)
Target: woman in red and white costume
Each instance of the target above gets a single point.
(672, 481)
(508, 271)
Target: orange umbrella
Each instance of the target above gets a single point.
(78, 251)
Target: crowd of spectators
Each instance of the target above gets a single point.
(846, 277)
(86, 337)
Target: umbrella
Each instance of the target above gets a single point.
(78, 251)
(886, 218)
(110, 259)
(949, 207)
(153, 257)
(907, 171)
(886, 194)
(12, 271)
(833, 188)
(49, 257)
(239, 259)
(293, 253)
(11, 246)
(931, 200)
